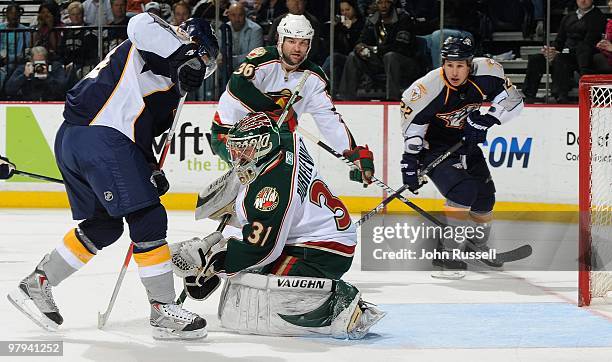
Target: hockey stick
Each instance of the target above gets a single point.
(38, 177)
(293, 98)
(399, 191)
(508, 256)
(28, 174)
(102, 318)
(170, 135)
(225, 219)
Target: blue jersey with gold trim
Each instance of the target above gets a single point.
(131, 90)
(435, 111)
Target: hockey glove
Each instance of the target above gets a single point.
(363, 158)
(159, 180)
(410, 171)
(187, 68)
(476, 126)
(6, 168)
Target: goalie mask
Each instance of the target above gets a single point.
(251, 143)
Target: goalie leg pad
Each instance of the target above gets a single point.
(289, 306)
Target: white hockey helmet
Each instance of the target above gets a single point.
(294, 26)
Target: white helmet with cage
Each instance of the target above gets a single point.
(294, 26)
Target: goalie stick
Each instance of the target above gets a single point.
(502, 257)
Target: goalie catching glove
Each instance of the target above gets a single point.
(363, 159)
(6, 168)
(198, 262)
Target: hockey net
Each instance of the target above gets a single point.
(595, 188)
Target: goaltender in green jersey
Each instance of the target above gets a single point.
(284, 273)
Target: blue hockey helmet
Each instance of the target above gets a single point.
(458, 48)
(201, 32)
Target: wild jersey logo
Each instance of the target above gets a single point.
(257, 52)
(456, 118)
(282, 97)
(266, 199)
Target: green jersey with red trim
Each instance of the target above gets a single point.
(288, 204)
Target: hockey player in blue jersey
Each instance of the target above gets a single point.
(438, 111)
(105, 154)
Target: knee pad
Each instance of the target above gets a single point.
(147, 226)
(464, 193)
(101, 231)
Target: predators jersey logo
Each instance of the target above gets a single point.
(417, 92)
(266, 199)
(456, 118)
(257, 52)
(282, 97)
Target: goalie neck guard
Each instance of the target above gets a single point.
(251, 143)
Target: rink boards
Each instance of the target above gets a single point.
(533, 159)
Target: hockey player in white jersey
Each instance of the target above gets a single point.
(284, 272)
(264, 83)
(104, 150)
(438, 111)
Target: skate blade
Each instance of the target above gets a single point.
(165, 334)
(448, 274)
(22, 302)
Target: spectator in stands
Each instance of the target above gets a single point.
(181, 11)
(572, 50)
(78, 46)
(206, 9)
(12, 44)
(269, 10)
(298, 7)
(246, 34)
(38, 79)
(120, 20)
(91, 12)
(135, 7)
(347, 29)
(602, 60)
(47, 35)
(461, 19)
(386, 46)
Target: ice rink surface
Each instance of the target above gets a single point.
(488, 316)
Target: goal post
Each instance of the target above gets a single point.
(595, 188)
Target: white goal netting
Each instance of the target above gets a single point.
(599, 230)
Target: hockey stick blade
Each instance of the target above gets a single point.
(519, 253)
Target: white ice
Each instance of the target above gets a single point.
(26, 235)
